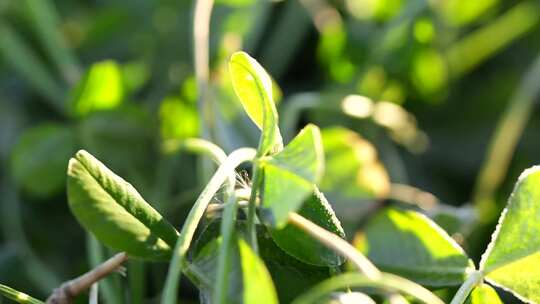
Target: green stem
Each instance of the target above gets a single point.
(463, 292)
(18, 296)
(337, 244)
(504, 141)
(190, 225)
(385, 280)
(224, 265)
(252, 207)
(109, 286)
(136, 279)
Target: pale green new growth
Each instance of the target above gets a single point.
(410, 244)
(253, 86)
(115, 212)
(512, 260)
(290, 175)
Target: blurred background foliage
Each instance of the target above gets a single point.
(437, 95)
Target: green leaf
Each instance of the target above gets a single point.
(512, 259)
(115, 212)
(409, 244)
(101, 88)
(43, 151)
(484, 294)
(253, 86)
(352, 170)
(302, 246)
(290, 276)
(249, 280)
(290, 175)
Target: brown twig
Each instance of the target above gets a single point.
(70, 289)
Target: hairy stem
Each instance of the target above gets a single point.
(337, 244)
(252, 207)
(463, 292)
(192, 221)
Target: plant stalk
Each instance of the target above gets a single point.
(252, 207)
(236, 158)
(337, 244)
(465, 289)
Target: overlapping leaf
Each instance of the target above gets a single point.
(512, 259)
(290, 175)
(409, 244)
(484, 294)
(302, 246)
(115, 212)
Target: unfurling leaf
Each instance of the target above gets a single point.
(409, 244)
(253, 86)
(512, 259)
(290, 175)
(115, 212)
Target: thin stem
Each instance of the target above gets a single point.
(337, 244)
(252, 207)
(70, 289)
(504, 141)
(385, 280)
(94, 293)
(18, 296)
(201, 33)
(109, 286)
(463, 292)
(192, 221)
(196, 145)
(224, 264)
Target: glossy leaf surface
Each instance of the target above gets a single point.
(512, 259)
(409, 244)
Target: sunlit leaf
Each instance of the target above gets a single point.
(484, 294)
(101, 88)
(302, 246)
(290, 175)
(253, 86)
(39, 159)
(409, 244)
(115, 212)
(512, 259)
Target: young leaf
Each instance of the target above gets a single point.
(253, 86)
(101, 88)
(512, 259)
(484, 294)
(409, 244)
(290, 175)
(115, 212)
(258, 286)
(302, 246)
(43, 151)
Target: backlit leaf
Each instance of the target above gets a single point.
(115, 212)
(512, 260)
(484, 294)
(290, 175)
(409, 244)
(253, 86)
